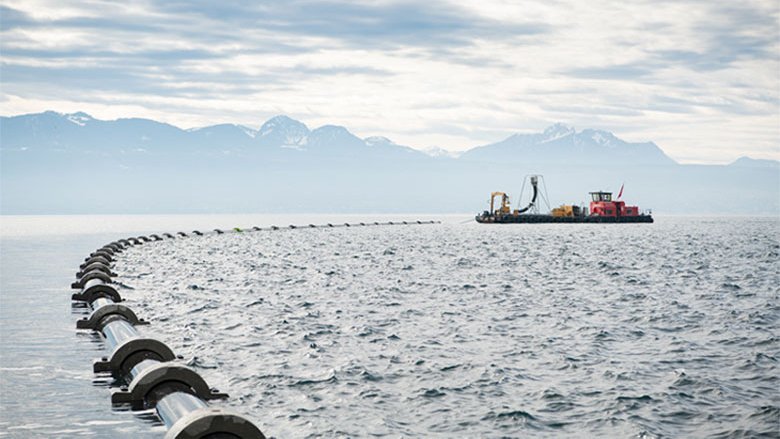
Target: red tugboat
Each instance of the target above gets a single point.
(602, 205)
(602, 210)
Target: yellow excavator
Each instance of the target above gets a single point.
(505, 210)
(504, 203)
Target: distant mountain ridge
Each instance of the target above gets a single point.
(747, 162)
(74, 163)
(279, 136)
(559, 143)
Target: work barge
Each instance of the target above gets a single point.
(602, 210)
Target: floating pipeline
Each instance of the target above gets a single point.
(156, 380)
(176, 392)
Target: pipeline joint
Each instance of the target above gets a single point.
(95, 321)
(95, 274)
(126, 355)
(155, 382)
(93, 259)
(96, 291)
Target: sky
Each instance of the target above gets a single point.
(699, 78)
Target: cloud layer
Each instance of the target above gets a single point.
(698, 78)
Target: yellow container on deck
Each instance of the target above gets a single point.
(564, 210)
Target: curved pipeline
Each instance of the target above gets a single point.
(177, 393)
(534, 184)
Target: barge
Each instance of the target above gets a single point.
(602, 209)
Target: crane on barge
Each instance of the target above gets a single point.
(505, 209)
(602, 209)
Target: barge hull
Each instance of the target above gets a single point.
(534, 219)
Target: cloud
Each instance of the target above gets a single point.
(582, 109)
(448, 73)
(728, 34)
(13, 19)
(629, 72)
(361, 24)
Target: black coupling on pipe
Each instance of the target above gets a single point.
(131, 352)
(94, 289)
(212, 422)
(219, 232)
(96, 266)
(115, 246)
(256, 229)
(107, 253)
(168, 235)
(96, 274)
(347, 225)
(197, 232)
(92, 260)
(101, 254)
(135, 241)
(330, 225)
(274, 228)
(155, 382)
(100, 317)
(312, 226)
(155, 237)
(144, 239)
(182, 234)
(292, 226)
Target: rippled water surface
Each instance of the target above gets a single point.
(669, 329)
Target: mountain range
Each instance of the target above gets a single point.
(284, 165)
(81, 132)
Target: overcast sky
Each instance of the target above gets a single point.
(700, 78)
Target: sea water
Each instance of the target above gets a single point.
(546, 330)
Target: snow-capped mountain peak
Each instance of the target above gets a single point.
(437, 151)
(79, 118)
(600, 137)
(561, 143)
(378, 141)
(558, 130)
(283, 130)
(284, 123)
